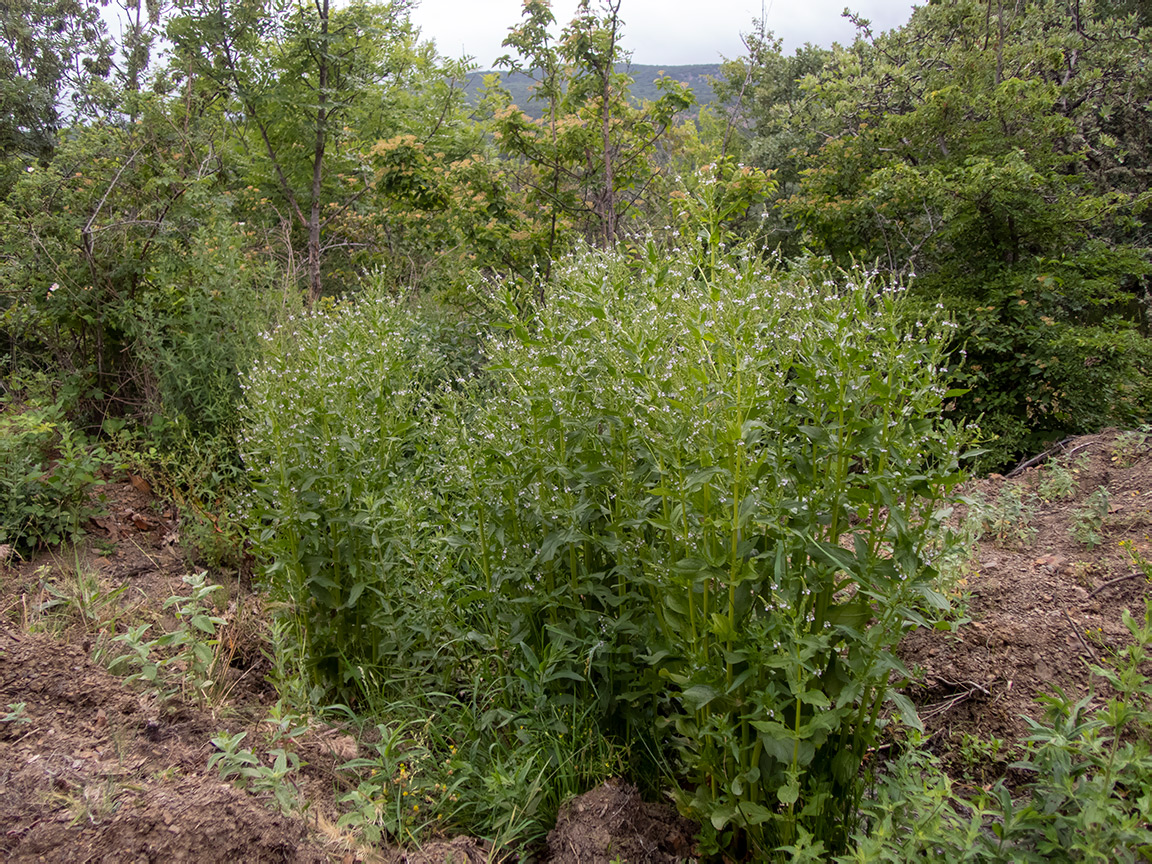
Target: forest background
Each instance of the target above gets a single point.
(203, 219)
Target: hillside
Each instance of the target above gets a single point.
(698, 77)
(100, 769)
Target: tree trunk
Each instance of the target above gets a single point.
(314, 287)
(608, 204)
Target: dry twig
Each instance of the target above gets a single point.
(1116, 581)
(1036, 460)
(1076, 630)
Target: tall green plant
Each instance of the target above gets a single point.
(705, 493)
(700, 510)
(341, 440)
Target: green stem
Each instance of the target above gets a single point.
(735, 452)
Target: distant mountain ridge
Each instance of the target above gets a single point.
(643, 76)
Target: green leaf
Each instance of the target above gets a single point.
(721, 815)
(789, 792)
(755, 814)
(699, 695)
(907, 710)
(698, 479)
(815, 698)
(778, 740)
(815, 434)
(935, 599)
(837, 556)
(854, 614)
(354, 594)
(722, 628)
(845, 765)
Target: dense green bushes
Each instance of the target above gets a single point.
(132, 280)
(676, 505)
(47, 470)
(999, 156)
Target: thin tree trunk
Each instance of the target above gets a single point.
(314, 286)
(1000, 44)
(555, 185)
(608, 205)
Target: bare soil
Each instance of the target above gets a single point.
(1043, 609)
(95, 770)
(612, 823)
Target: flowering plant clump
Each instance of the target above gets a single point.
(698, 505)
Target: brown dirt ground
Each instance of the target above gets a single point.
(612, 823)
(1042, 609)
(101, 771)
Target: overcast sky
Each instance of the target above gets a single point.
(657, 32)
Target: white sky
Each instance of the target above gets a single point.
(671, 32)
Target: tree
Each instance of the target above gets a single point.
(761, 94)
(53, 50)
(441, 205)
(127, 273)
(1001, 155)
(588, 161)
(296, 71)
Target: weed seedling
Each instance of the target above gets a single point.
(1057, 481)
(78, 597)
(247, 770)
(979, 755)
(15, 713)
(1139, 560)
(1008, 519)
(185, 659)
(1130, 446)
(1087, 525)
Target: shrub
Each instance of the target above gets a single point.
(700, 509)
(47, 470)
(152, 313)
